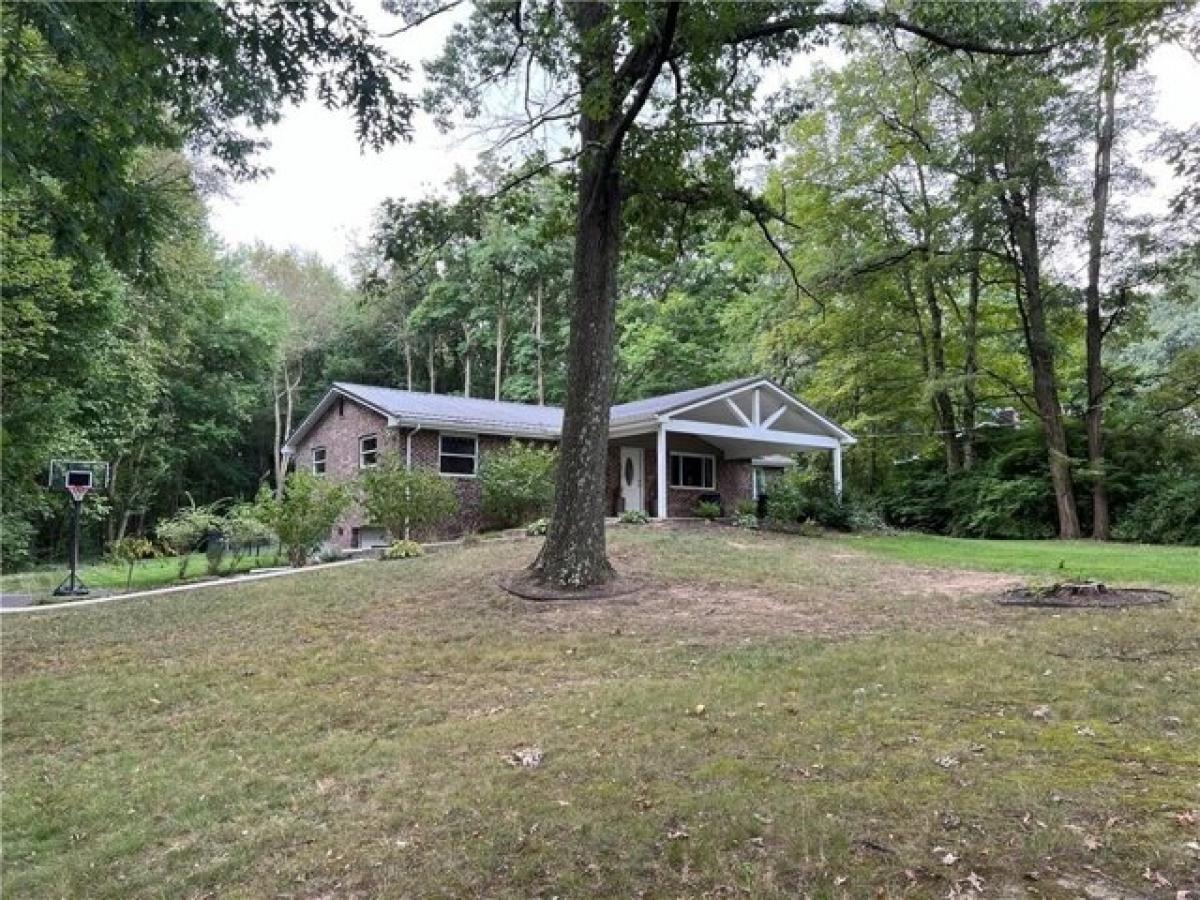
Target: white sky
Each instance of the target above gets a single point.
(323, 189)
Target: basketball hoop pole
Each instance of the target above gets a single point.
(73, 586)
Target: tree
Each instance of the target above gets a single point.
(518, 482)
(304, 514)
(635, 141)
(400, 499)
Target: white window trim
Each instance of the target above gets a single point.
(324, 460)
(684, 487)
(361, 452)
(474, 456)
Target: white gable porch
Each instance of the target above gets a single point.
(752, 420)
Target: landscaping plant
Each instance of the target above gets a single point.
(633, 517)
(708, 510)
(243, 530)
(806, 496)
(399, 498)
(183, 532)
(128, 551)
(518, 482)
(304, 514)
(403, 550)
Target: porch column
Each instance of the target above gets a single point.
(660, 461)
(837, 470)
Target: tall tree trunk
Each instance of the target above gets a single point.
(574, 552)
(537, 337)
(500, 322)
(277, 446)
(971, 351)
(432, 365)
(408, 364)
(466, 360)
(1106, 93)
(943, 406)
(1021, 214)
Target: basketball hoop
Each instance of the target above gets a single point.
(78, 491)
(77, 478)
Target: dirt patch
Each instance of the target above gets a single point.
(1083, 595)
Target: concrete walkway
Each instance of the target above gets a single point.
(179, 589)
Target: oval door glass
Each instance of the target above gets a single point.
(629, 470)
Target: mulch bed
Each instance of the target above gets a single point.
(522, 584)
(1085, 595)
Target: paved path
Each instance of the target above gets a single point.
(15, 601)
(5, 609)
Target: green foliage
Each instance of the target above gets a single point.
(305, 514)
(747, 507)
(806, 495)
(745, 520)
(633, 517)
(399, 498)
(538, 528)
(518, 482)
(708, 509)
(183, 532)
(1167, 511)
(128, 551)
(403, 550)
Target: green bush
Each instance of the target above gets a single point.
(398, 498)
(745, 520)
(183, 532)
(16, 538)
(403, 550)
(747, 508)
(707, 509)
(128, 551)
(538, 527)
(242, 529)
(1168, 511)
(633, 517)
(801, 495)
(303, 517)
(518, 482)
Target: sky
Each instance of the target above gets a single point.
(323, 189)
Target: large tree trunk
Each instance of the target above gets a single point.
(277, 445)
(1021, 214)
(574, 552)
(1105, 128)
(432, 365)
(971, 352)
(466, 360)
(943, 406)
(408, 364)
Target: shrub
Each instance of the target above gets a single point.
(403, 550)
(806, 496)
(303, 517)
(183, 532)
(707, 509)
(747, 507)
(1168, 511)
(633, 517)
(243, 529)
(128, 551)
(745, 520)
(398, 498)
(518, 482)
(538, 527)
(16, 536)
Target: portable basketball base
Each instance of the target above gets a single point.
(77, 479)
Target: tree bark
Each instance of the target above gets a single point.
(943, 406)
(500, 322)
(432, 365)
(466, 360)
(971, 351)
(1106, 93)
(408, 364)
(277, 456)
(574, 554)
(1021, 215)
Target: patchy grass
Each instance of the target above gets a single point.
(344, 734)
(111, 577)
(1128, 564)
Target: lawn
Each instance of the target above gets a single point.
(772, 716)
(111, 577)
(1128, 564)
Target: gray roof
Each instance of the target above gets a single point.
(448, 412)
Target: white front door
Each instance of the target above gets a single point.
(633, 460)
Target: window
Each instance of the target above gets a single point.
(694, 470)
(368, 451)
(318, 460)
(457, 454)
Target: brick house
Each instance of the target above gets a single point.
(720, 440)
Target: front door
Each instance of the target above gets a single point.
(633, 460)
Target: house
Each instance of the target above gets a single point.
(721, 439)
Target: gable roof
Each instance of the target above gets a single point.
(448, 412)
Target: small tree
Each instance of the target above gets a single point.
(183, 532)
(128, 551)
(243, 529)
(518, 482)
(305, 513)
(398, 498)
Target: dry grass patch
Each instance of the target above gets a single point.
(775, 717)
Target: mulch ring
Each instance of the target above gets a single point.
(525, 585)
(1083, 595)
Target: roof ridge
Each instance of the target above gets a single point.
(380, 387)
